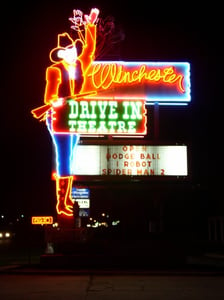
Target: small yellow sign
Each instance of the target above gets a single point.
(39, 220)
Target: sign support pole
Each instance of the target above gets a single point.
(156, 121)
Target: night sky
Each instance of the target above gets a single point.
(151, 32)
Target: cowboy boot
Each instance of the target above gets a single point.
(64, 202)
(69, 202)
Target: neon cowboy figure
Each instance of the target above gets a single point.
(64, 78)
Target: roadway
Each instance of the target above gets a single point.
(111, 286)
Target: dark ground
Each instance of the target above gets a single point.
(93, 250)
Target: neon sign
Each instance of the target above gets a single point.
(110, 116)
(104, 75)
(154, 81)
(160, 82)
(41, 220)
(88, 96)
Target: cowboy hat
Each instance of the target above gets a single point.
(65, 42)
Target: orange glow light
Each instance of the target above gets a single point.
(105, 75)
(64, 204)
(40, 220)
(54, 75)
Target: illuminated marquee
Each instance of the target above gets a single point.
(140, 160)
(105, 116)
